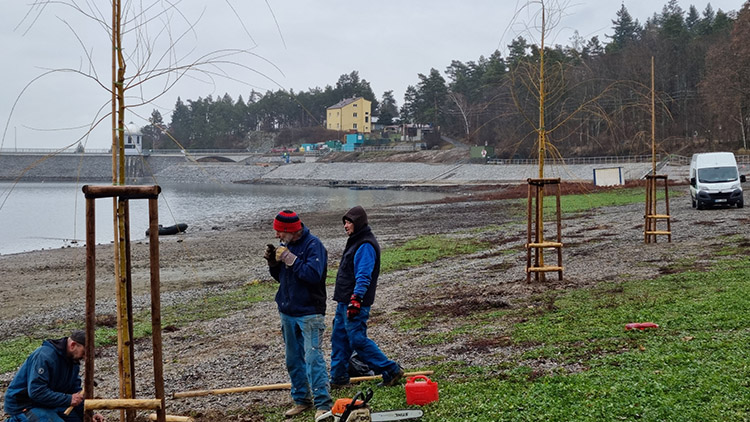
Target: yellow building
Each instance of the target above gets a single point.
(350, 114)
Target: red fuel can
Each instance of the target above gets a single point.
(420, 390)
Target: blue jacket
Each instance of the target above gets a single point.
(47, 379)
(302, 287)
(359, 268)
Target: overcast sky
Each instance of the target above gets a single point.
(295, 44)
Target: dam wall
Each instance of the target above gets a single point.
(72, 167)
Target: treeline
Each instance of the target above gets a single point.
(597, 93)
(226, 123)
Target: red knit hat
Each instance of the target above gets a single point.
(287, 221)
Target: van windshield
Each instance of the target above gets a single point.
(717, 174)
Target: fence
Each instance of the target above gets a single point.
(578, 160)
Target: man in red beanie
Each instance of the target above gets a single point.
(300, 265)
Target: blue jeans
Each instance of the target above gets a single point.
(304, 359)
(351, 335)
(40, 414)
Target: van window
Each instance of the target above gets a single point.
(717, 174)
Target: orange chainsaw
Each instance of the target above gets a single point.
(357, 410)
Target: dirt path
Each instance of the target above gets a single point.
(245, 348)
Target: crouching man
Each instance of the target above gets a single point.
(49, 382)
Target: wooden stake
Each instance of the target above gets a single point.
(269, 387)
(172, 418)
(95, 404)
(70, 408)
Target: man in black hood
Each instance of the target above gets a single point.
(356, 282)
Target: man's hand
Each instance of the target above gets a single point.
(283, 255)
(270, 255)
(352, 310)
(98, 417)
(76, 399)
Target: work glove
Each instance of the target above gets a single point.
(283, 255)
(270, 255)
(352, 310)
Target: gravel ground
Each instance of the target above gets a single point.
(46, 288)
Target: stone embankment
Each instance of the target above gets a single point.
(177, 169)
(388, 173)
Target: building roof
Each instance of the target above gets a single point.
(343, 103)
(132, 129)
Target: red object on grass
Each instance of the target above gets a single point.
(640, 325)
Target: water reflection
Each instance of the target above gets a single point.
(52, 215)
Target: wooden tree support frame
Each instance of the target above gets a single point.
(125, 352)
(652, 216)
(536, 231)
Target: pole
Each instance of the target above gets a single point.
(88, 383)
(269, 387)
(653, 121)
(542, 152)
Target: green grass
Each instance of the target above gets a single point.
(13, 352)
(426, 249)
(584, 202)
(695, 367)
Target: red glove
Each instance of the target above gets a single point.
(355, 304)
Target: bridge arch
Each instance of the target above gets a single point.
(215, 159)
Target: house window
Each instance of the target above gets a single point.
(354, 105)
(367, 119)
(354, 126)
(354, 114)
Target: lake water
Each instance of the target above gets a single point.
(37, 216)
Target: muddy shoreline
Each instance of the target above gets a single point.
(42, 291)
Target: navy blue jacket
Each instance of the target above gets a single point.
(302, 287)
(47, 379)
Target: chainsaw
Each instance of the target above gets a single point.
(356, 410)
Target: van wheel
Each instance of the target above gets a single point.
(741, 203)
(694, 205)
(699, 205)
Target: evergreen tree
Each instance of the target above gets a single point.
(152, 133)
(692, 20)
(388, 109)
(408, 110)
(431, 97)
(517, 51)
(672, 22)
(181, 125)
(626, 31)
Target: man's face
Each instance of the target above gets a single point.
(348, 227)
(284, 236)
(76, 351)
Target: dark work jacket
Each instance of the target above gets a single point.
(345, 279)
(48, 378)
(302, 287)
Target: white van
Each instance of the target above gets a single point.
(715, 180)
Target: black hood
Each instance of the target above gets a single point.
(357, 216)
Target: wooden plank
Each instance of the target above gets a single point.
(545, 245)
(95, 404)
(268, 387)
(172, 418)
(659, 216)
(544, 269)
